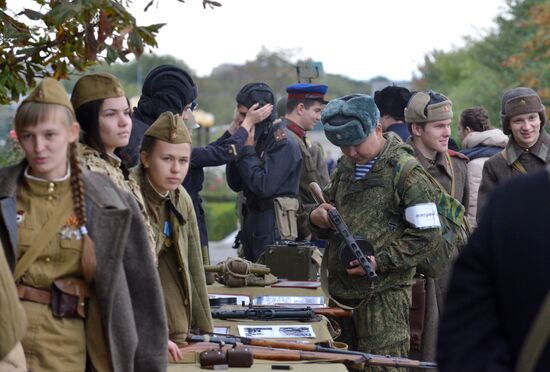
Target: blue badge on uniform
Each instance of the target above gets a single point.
(166, 230)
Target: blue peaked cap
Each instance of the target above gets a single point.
(303, 91)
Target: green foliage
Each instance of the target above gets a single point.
(478, 73)
(65, 36)
(221, 219)
(217, 92)
(132, 73)
(10, 153)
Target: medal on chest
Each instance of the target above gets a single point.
(71, 229)
(20, 216)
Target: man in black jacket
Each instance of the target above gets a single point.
(499, 282)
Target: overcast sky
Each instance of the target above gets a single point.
(357, 38)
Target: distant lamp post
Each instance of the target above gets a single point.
(309, 70)
(206, 121)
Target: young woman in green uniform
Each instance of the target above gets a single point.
(103, 112)
(164, 162)
(83, 271)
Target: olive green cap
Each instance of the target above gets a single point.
(419, 109)
(50, 91)
(96, 86)
(169, 128)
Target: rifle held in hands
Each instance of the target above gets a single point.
(344, 232)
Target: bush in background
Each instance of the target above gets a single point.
(221, 218)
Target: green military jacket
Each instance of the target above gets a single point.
(183, 244)
(13, 322)
(450, 170)
(371, 209)
(314, 169)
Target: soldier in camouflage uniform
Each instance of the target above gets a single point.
(402, 234)
(164, 162)
(103, 112)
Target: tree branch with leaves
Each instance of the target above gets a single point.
(62, 37)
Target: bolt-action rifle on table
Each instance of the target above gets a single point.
(287, 351)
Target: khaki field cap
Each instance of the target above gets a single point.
(419, 109)
(169, 128)
(520, 101)
(93, 87)
(49, 91)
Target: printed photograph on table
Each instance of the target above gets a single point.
(276, 331)
(290, 300)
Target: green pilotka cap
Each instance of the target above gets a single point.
(96, 86)
(169, 128)
(49, 91)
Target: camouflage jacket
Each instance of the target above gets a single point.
(371, 209)
(450, 170)
(92, 160)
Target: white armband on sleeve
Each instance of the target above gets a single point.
(423, 216)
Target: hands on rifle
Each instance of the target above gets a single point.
(319, 217)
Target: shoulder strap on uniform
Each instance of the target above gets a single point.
(451, 169)
(536, 339)
(402, 168)
(516, 164)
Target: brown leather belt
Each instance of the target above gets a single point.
(28, 293)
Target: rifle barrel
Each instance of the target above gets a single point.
(267, 349)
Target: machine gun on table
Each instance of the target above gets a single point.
(280, 313)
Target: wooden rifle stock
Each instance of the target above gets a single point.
(281, 355)
(278, 313)
(288, 351)
(335, 312)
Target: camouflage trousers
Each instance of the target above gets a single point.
(380, 326)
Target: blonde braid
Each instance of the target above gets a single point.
(88, 259)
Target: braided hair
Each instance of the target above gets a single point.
(34, 112)
(475, 118)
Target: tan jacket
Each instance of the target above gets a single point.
(500, 168)
(493, 137)
(126, 310)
